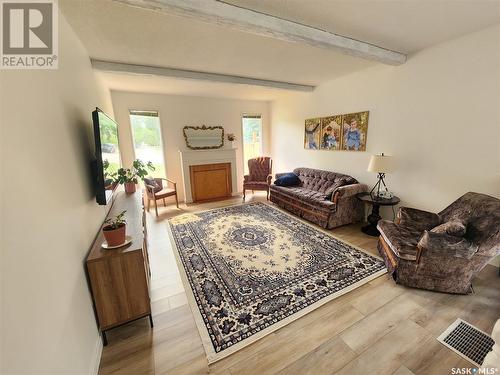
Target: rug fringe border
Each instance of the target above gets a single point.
(212, 356)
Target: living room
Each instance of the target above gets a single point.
(250, 187)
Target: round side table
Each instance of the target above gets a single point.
(374, 217)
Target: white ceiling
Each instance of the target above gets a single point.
(117, 32)
(400, 25)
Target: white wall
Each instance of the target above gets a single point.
(49, 214)
(438, 114)
(178, 111)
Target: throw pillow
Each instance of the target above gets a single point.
(152, 182)
(453, 228)
(288, 179)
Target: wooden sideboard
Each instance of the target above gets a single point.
(119, 278)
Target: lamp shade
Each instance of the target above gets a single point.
(381, 164)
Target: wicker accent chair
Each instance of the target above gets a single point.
(156, 190)
(443, 251)
(260, 175)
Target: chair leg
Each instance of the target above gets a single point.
(176, 200)
(244, 190)
(156, 208)
(149, 204)
(164, 203)
(267, 194)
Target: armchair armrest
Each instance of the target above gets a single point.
(418, 219)
(441, 244)
(269, 179)
(171, 182)
(246, 178)
(149, 189)
(348, 191)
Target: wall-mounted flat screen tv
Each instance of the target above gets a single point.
(107, 155)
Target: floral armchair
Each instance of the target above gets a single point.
(260, 175)
(443, 251)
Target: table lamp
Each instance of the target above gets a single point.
(380, 164)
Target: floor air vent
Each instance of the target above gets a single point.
(467, 341)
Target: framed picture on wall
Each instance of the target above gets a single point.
(355, 131)
(312, 133)
(331, 133)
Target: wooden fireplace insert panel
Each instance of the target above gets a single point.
(211, 182)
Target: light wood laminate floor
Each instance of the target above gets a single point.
(379, 328)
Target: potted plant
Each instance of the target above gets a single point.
(129, 177)
(114, 229)
(231, 138)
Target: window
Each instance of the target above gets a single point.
(146, 135)
(252, 138)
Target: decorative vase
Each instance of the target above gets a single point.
(114, 237)
(129, 187)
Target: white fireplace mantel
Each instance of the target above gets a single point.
(199, 157)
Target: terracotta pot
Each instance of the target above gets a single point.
(114, 237)
(129, 187)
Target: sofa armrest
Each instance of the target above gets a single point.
(348, 191)
(443, 245)
(418, 219)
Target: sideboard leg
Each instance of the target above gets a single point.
(104, 338)
(151, 321)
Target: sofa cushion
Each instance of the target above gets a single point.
(452, 227)
(402, 240)
(442, 244)
(320, 180)
(288, 179)
(305, 195)
(257, 185)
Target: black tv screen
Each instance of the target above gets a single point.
(107, 155)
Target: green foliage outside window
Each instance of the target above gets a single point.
(146, 131)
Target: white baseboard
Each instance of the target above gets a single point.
(96, 357)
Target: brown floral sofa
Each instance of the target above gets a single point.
(442, 251)
(325, 198)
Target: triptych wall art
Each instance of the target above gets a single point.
(340, 132)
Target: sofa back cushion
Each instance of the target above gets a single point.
(322, 181)
(481, 213)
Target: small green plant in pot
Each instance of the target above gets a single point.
(114, 229)
(129, 177)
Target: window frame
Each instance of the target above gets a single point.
(253, 114)
(162, 140)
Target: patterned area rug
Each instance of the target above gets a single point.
(253, 268)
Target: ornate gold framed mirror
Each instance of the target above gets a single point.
(203, 137)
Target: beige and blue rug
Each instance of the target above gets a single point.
(252, 268)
